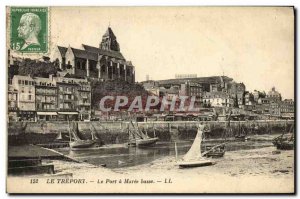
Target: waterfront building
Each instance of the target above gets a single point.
(237, 92)
(217, 99)
(263, 109)
(249, 99)
(12, 103)
(275, 109)
(84, 100)
(274, 95)
(208, 84)
(151, 86)
(74, 98)
(191, 89)
(24, 85)
(258, 94)
(46, 98)
(263, 101)
(66, 100)
(105, 62)
(287, 108)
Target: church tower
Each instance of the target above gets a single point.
(109, 41)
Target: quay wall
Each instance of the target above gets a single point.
(117, 132)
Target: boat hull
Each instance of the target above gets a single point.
(215, 154)
(200, 163)
(284, 145)
(81, 144)
(240, 138)
(143, 142)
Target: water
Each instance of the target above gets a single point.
(124, 156)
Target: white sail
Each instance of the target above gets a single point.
(195, 151)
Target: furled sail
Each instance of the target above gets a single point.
(195, 151)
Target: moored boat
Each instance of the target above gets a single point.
(140, 139)
(285, 141)
(194, 158)
(217, 151)
(77, 143)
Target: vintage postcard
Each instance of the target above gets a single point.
(150, 100)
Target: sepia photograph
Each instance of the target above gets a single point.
(150, 100)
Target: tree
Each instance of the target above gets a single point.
(35, 68)
(236, 102)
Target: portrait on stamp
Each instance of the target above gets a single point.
(29, 30)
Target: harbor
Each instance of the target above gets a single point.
(239, 153)
(250, 169)
(176, 143)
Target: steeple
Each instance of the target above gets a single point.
(109, 41)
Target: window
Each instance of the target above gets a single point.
(19, 82)
(29, 97)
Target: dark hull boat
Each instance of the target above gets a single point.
(198, 163)
(285, 145)
(79, 144)
(76, 143)
(138, 138)
(285, 141)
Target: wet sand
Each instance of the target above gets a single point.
(264, 170)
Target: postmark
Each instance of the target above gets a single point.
(29, 29)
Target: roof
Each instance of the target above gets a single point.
(23, 77)
(217, 94)
(109, 33)
(208, 80)
(85, 54)
(110, 53)
(62, 51)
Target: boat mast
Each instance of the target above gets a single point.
(69, 129)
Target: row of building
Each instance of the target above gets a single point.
(53, 98)
(67, 94)
(223, 92)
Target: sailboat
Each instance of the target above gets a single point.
(77, 143)
(139, 138)
(285, 142)
(194, 158)
(241, 136)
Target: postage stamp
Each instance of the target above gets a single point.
(29, 29)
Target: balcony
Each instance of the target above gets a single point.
(84, 103)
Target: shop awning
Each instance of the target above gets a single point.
(68, 113)
(46, 113)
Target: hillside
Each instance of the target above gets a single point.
(116, 88)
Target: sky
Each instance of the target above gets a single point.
(253, 45)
